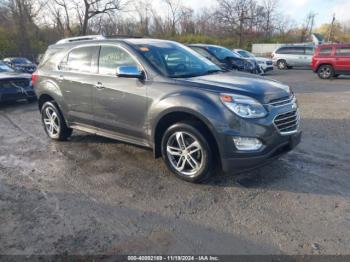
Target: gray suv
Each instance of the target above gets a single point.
(287, 57)
(164, 96)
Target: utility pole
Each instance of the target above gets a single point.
(312, 22)
(330, 36)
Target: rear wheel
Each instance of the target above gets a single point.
(187, 153)
(54, 123)
(325, 72)
(282, 64)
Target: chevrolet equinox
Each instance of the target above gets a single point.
(162, 95)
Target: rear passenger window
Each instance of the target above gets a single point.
(111, 57)
(343, 51)
(327, 51)
(78, 60)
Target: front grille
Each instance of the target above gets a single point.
(288, 122)
(269, 62)
(282, 101)
(15, 83)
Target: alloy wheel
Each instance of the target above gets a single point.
(282, 65)
(185, 153)
(325, 72)
(51, 122)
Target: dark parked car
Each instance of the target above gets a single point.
(20, 64)
(226, 59)
(331, 60)
(14, 85)
(163, 95)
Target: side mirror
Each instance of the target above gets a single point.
(129, 72)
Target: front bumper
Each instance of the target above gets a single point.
(246, 161)
(270, 130)
(268, 68)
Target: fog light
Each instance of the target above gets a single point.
(247, 143)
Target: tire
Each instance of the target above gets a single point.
(176, 146)
(325, 72)
(282, 65)
(54, 123)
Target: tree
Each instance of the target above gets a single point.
(269, 7)
(176, 11)
(22, 13)
(234, 15)
(93, 8)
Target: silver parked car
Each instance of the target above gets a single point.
(287, 57)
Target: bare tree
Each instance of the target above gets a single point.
(143, 8)
(23, 13)
(176, 11)
(64, 24)
(92, 8)
(234, 15)
(269, 7)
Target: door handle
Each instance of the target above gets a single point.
(99, 86)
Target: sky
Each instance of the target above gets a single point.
(295, 9)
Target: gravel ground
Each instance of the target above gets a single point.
(92, 195)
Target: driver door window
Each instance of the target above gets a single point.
(112, 57)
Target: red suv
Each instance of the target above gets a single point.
(331, 60)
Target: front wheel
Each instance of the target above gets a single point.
(187, 153)
(282, 64)
(54, 123)
(325, 72)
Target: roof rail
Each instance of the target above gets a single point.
(80, 38)
(124, 36)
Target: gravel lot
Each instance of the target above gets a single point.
(92, 195)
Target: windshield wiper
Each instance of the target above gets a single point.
(213, 71)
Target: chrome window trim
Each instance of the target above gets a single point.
(99, 45)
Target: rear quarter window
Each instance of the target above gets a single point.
(343, 51)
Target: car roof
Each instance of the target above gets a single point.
(332, 45)
(130, 41)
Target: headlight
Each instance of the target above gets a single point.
(261, 62)
(243, 106)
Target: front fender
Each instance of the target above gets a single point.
(206, 108)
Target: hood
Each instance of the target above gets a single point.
(13, 75)
(262, 89)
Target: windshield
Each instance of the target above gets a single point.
(5, 68)
(221, 52)
(20, 60)
(245, 54)
(175, 60)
